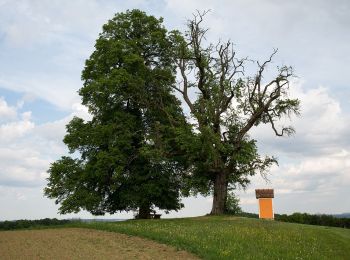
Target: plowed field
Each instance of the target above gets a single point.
(76, 243)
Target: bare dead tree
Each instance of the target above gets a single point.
(229, 103)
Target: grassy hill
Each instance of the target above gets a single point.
(239, 238)
(221, 237)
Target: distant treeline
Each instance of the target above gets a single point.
(24, 223)
(321, 220)
(305, 218)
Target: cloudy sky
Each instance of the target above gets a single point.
(43, 46)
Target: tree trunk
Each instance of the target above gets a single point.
(144, 212)
(220, 194)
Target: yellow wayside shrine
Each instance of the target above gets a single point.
(265, 197)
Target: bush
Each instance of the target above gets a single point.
(248, 215)
(232, 204)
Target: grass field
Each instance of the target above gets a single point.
(240, 238)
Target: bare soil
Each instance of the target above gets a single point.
(76, 243)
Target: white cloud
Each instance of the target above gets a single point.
(41, 22)
(321, 174)
(60, 35)
(321, 128)
(315, 163)
(247, 201)
(22, 166)
(15, 129)
(322, 119)
(6, 112)
(10, 131)
(61, 92)
(26, 149)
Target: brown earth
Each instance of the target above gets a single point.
(76, 243)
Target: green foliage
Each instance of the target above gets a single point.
(38, 223)
(129, 153)
(232, 204)
(313, 219)
(248, 215)
(239, 238)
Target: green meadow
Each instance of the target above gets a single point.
(225, 237)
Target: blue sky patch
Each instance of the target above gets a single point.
(42, 111)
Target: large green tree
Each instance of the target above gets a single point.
(127, 156)
(225, 104)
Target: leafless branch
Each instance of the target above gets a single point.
(260, 101)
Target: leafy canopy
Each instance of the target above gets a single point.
(128, 156)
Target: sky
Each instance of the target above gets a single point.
(43, 47)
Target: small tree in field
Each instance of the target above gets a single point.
(128, 155)
(232, 204)
(226, 106)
